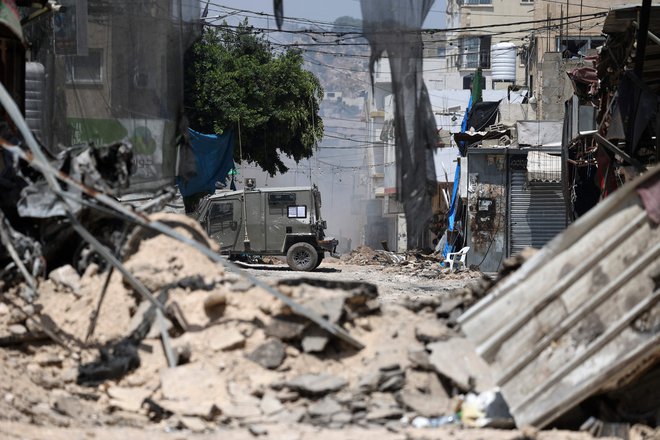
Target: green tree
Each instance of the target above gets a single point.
(234, 75)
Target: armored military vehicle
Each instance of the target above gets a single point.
(268, 221)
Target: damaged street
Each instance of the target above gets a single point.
(435, 221)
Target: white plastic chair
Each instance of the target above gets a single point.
(456, 257)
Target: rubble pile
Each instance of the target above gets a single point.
(244, 358)
(363, 255)
(414, 264)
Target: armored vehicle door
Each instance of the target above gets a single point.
(223, 222)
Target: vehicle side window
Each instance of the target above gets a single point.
(220, 217)
(279, 203)
(299, 211)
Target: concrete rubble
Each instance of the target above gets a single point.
(245, 359)
(414, 264)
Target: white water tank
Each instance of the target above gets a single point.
(503, 62)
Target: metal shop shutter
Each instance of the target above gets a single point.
(536, 212)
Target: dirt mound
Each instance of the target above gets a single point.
(365, 255)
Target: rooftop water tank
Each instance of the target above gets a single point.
(503, 62)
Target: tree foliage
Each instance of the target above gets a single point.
(234, 75)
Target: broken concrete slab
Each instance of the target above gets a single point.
(432, 330)
(257, 430)
(382, 415)
(227, 339)
(286, 327)
(457, 360)
(192, 389)
(330, 306)
(325, 407)
(270, 404)
(317, 384)
(193, 424)
(447, 306)
(66, 277)
(314, 340)
(127, 399)
(419, 358)
(240, 410)
(269, 355)
(68, 406)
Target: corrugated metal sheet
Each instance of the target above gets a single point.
(536, 212)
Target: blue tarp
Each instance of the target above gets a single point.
(449, 247)
(214, 156)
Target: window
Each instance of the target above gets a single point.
(278, 203)
(573, 47)
(85, 69)
(299, 211)
(221, 217)
(442, 52)
(475, 52)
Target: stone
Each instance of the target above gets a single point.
(292, 416)
(383, 400)
(194, 389)
(17, 330)
(369, 381)
(48, 360)
(330, 307)
(241, 285)
(69, 375)
(4, 310)
(419, 358)
(67, 277)
(240, 410)
(269, 355)
(324, 408)
(447, 306)
(194, 424)
(382, 415)
(68, 406)
(270, 404)
(230, 339)
(457, 360)
(317, 384)
(286, 327)
(257, 430)
(358, 406)
(127, 399)
(342, 418)
(314, 340)
(287, 395)
(393, 383)
(207, 410)
(426, 405)
(432, 330)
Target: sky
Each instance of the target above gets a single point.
(318, 10)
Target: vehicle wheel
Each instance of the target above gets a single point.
(318, 263)
(302, 256)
